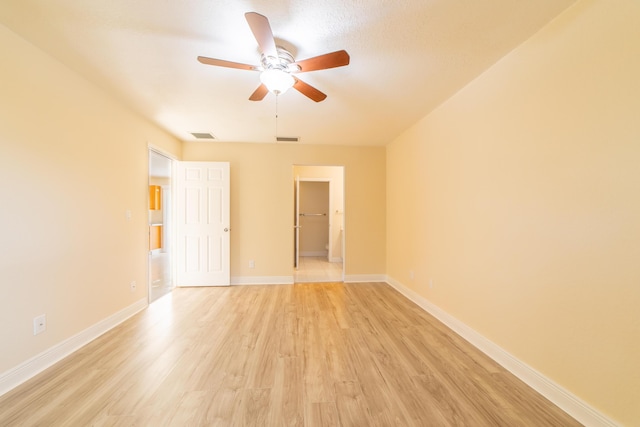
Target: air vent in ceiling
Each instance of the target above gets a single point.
(202, 135)
(287, 138)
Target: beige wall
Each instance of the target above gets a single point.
(520, 198)
(262, 203)
(72, 162)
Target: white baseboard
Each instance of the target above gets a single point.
(361, 278)
(21, 373)
(561, 397)
(262, 280)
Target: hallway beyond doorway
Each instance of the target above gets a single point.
(160, 217)
(319, 223)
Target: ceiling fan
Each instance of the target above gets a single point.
(278, 66)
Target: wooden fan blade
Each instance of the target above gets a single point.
(308, 91)
(261, 30)
(228, 64)
(259, 93)
(339, 58)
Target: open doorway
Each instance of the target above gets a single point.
(318, 223)
(161, 271)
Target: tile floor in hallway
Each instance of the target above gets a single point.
(160, 275)
(317, 269)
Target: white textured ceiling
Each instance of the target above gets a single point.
(407, 57)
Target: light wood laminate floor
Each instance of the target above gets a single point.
(302, 355)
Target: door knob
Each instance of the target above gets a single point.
(226, 229)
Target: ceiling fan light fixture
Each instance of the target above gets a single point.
(277, 64)
(276, 80)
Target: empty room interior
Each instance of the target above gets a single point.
(476, 172)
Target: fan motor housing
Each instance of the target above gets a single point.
(285, 61)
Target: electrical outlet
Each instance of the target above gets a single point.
(127, 214)
(252, 264)
(132, 286)
(431, 283)
(411, 275)
(39, 324)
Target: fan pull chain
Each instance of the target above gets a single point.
(276, 117)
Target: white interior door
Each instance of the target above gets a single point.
(203, 224)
